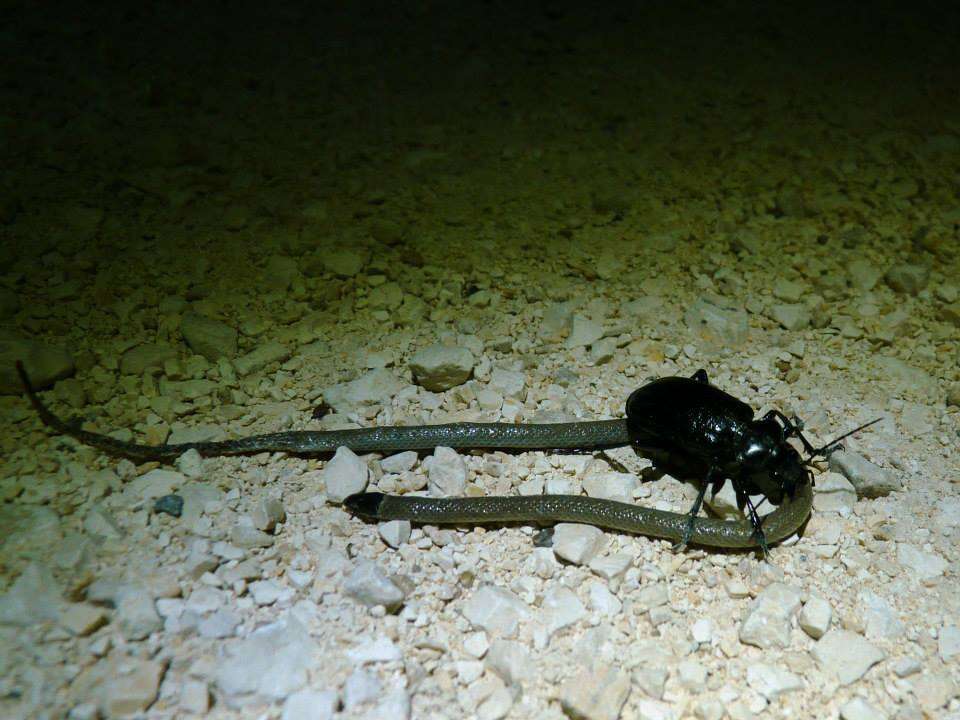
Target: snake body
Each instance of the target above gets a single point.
(610, 514)
(541, 509)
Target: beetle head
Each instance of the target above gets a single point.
(769, 465)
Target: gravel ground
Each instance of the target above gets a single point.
(316, 219)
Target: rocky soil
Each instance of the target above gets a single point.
(212, 231)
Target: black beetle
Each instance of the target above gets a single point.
(695, 430)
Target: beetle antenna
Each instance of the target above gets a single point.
(834, 444)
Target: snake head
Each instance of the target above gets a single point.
(365, 505)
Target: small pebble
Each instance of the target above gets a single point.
(170, 504)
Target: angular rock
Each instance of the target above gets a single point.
(846, 655)
(401, 462)
(344, 475)
(380, 649)
(561, 607)
(583, 332)
(210, 338)
(370, 586)
(45, 364)
(860, 709)
(948, 642)
(272, 662)
(870, 481)
(576, 543)
(792, 316)
(879, 618)
(82, 619)
(439, 367)
(34, 597)
(767, 622)
(834, 493)
(309, 704)
(446, 473)
(371, 388)
(509, 383)
(596, 694)
(260, 357)
(907, 278)
(924, 565)
(815, 617)
(148, 356)
(496, 610)
(137, 614)
(133, 688)
(395, 532)
(771, 681)
(511, 661)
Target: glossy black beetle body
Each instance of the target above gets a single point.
(695, 430)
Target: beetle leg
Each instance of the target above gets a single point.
(792, 428)
(743, 501)
(694, 511)
(700, 376)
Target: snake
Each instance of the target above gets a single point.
(782, 522)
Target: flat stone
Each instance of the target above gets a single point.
(879, 618)
(369, 585)
(372, 388)
(576, 543)
(595, 694)
(496, 610)
(610, 485)
(611, 567)
(136, 612)
(82, 619)
(846, 655)
(133, 688)
(834, 493)
(860, 709)
(248, 537)
(583, 332)
(34, 597)
(380, 649)
(260, 357)
(508, 383)
(213, 339)
(948, 642)
(510, 660)
(310, 704)
(45, 364)
(767, 622)
(497, 704)
(924, 565)
(141, 358)
(869, 480)
(772, 681)
(692, 676)
(399, 463)
(791, 316)
(195, 697)
(561, 607)
(221, 623)
(934, 691)
(361, 686)
(271, 663)
(907, 278)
